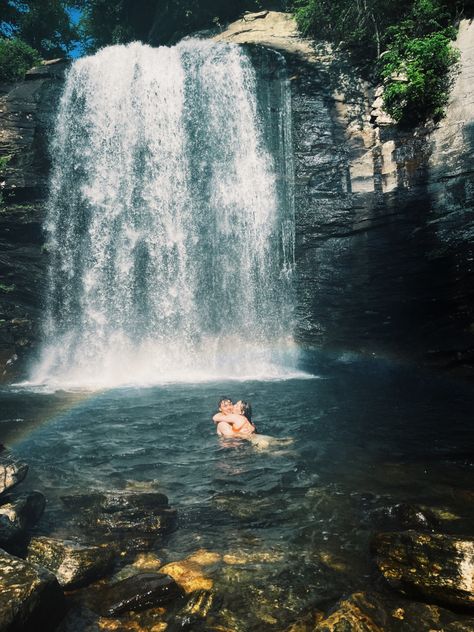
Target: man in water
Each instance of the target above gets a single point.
(231, 420)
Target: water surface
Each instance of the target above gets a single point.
(294, 522)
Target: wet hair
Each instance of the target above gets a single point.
(246, 410)
(222, 398)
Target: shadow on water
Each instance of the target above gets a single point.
(290, 525)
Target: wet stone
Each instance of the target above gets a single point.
(143, 562)
(18, 514)
(439, 567)
(196, 610)
(79, 619)
(374, 612)
(189, 575)
(404, 516)
(127, 514)
(139, 592)
(30, 596)
(74, 564)
(12, 471)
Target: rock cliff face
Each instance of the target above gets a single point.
(26, 115)
(384, 217)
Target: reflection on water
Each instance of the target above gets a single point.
(290, 525)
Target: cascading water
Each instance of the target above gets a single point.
(170, 224)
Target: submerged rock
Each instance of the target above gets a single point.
(360, 612)
(439, 567)
(189, 575)
(137, 515)
(19, 514)
(30, 596)
(139, 592)
(148, 562)
(80, 619)
(12, 471)
(404, 516)
(196, 610)
(374, 612)
(73, 563)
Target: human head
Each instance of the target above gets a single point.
(244, 408)
(224, 405)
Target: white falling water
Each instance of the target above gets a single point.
(170, 223)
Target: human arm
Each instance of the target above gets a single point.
(237, 421)
(218, 417)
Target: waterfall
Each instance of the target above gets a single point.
(170, 221)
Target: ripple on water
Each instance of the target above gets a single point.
(291, 526)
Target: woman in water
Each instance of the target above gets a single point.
(234, 420)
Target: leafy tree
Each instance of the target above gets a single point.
(408, 44)
(417, 63)
(155, 21)
(45, 25)
(417, 78)
(16, 58)
(357, 24)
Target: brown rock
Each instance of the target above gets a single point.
(30, 596)
(73, 563)
(439, 567)
(137, 593)
(188, 575)
(358, 613)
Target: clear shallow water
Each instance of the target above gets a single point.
(297, 518)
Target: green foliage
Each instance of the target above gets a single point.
(16, 58)
(356, 24)
(45, 25)
(155, 21)
(416, 73)
(417, 62)
(408, 44)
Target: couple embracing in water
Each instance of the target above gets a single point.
(234, 420)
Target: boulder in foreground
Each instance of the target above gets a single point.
(19, 514)
(73, 563)
(375, 612)
(30, 596)
(123, 514)
(139, 592)
(438, 567)
(12, 471)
